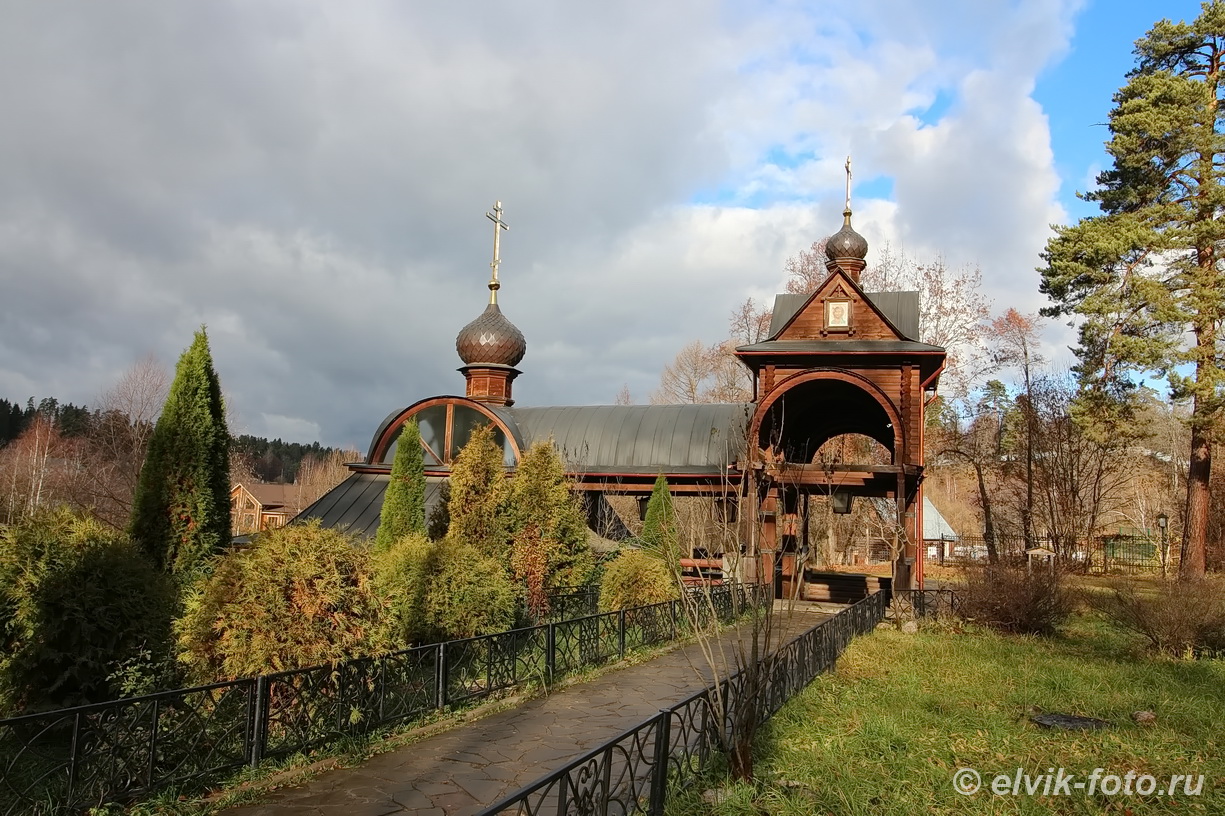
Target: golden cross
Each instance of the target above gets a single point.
(848, 183)
(498, 226)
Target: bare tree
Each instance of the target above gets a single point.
(623, 396)
(1014, 338)
(684, 379)
(319, 474)
(119, 437)
(806, 270)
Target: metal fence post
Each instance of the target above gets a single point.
(659, 778)
(259, 721)
(153, 733)
(440, 676)
(74, 755)
(621, 634)
(550, 653)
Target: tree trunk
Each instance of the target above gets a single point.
(1195, 533)
(984, 498)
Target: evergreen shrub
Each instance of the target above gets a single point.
(471, 594)
(78, 603)
(300, 595)
(636, 578)
(403, 576)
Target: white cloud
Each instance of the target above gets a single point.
(309, 179)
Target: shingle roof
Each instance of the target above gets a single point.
(902, 309)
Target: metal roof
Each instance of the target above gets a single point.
(640, 438)
(901, 308)
(355, 504)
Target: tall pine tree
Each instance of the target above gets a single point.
(403, 510)
(1144, 278)
(181, 513)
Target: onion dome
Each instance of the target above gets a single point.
(491, 339)
(846, 243)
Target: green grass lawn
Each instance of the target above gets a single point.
(886, 732)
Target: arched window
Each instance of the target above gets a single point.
(445, 428)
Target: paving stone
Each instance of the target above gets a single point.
(458, 772)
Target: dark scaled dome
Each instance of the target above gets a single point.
(846, 243)
(491, 339)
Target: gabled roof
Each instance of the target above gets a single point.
(899, 308)
(935, 527)
(270, 496)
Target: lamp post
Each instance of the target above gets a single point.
(1163, 521)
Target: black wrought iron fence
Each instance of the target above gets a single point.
(67, 761)
(634, 772)
(909, 604)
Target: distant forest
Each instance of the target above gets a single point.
(272, 460)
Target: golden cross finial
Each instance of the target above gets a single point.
(498, 226)
(848, 184)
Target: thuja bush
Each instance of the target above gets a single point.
(79, 604)
(1012, 599)
(470, 593)
(299, 596)
(403, 575)
(1176, 618)
(636, 578)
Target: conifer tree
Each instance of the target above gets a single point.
(1145, 278)
(404, 502)
(181, 512)
(479, 492)
(659, 531)
(548, 526)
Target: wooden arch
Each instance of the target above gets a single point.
(871, 389)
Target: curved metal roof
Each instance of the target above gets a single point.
(640, 438)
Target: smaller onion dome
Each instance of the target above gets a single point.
(846, 243)
(491, 339)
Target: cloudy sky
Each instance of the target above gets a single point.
(309, 179)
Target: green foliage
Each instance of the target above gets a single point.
(479, 492)
(403, 575)
(472, 594)
(659, 530)
(545, 514)
(404, 502)
(301, 595)
(78, 603)
(1145, 279)
(636, 578)
(181, 512)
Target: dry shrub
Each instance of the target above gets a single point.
(1013, 599)
(1176, 618)
(635, 578)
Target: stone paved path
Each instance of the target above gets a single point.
(462, 770)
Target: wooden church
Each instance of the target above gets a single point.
(838, 361)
